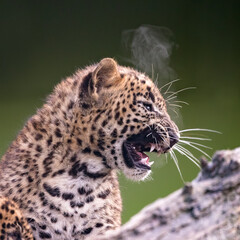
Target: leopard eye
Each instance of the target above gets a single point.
(148, 106)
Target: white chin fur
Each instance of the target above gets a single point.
(136, 175)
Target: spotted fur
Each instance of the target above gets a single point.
(61, 170)
(13, 226)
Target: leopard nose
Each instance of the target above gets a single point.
(174, 138)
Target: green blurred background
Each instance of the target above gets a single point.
(42, 42)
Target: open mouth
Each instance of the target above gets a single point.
(134, 148)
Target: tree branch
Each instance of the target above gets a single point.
(206, 208)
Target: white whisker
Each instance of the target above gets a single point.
(169, 99)
(169, 83)
(197, 149)
(175, 105)
(152, 72)
(187, 155)
(187, 152)
(181, 90)
(196, 138)
(199, 129)
(178, 101)
(156, 81)
(149, 134)
(168, 87)
(174, 111)
(198, 144)
(174, 157)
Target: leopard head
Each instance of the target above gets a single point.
(128, 118)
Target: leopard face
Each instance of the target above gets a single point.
(129, 118)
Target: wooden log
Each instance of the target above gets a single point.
(207, 208)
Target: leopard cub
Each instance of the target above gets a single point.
(60, 174)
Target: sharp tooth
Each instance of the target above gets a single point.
(152, 147)
(151, 163)
(144, 160)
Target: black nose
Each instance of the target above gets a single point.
(173, 138)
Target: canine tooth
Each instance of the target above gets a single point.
(144, 160)
(151, 163)
(152, 147)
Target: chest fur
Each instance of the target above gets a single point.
(75, 208)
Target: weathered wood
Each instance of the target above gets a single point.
(206, 208)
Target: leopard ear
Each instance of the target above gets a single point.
(105, 75)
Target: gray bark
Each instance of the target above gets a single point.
(207, 208)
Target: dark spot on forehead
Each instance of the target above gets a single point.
(151, 95)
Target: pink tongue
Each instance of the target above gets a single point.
(143, 155)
